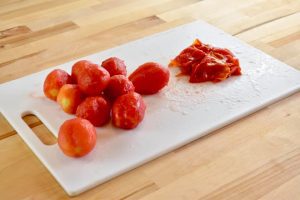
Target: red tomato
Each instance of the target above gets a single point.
(54, 81)
(69, 97)
(77, 137)
(95, 109)
(115, 66)
(128, 111)
(117, 86)
(78, 68)
(93, 80)
(149, 78)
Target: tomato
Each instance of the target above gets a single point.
(54, 81)
(149, 78)
(93, 80)
(77, 137)
(95, 109)
(128, 111)
(117, 86)
(115, 66)
(78, 68)
(69, 97)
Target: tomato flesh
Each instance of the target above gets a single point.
(150, 78)
(69, 97)
(117, 86)
(54, 81)
(115, 66)
(93, 80)
(95, 109)
(79, 68)
(128, 111)
(77, 137)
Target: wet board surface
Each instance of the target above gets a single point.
(180, 113)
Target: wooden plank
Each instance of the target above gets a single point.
(5, 128)
(256, 157)
(85, 46)
(14, 31)
(32, 180)
(285, 39)
(10, 5)
(61, 10)
(238, 17)
(43, 6)
(288, 190)
(18, 40)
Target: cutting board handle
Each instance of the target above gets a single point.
(25, 131)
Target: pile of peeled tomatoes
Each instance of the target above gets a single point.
(97, 94)
(203, 62)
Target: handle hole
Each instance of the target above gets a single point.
(39, 129)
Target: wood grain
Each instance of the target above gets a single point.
(257, 157)
(14, 31)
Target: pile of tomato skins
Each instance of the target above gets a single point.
(203, 62)
(97, 94)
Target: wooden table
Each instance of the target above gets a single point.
(257, 157)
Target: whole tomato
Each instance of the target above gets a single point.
(77, 137)
(93, 80)
(95, 109)
(78, 68)
(117, 86)
(149, 78)
(69, 97)
(128, 111)
(54, 81)
(115, 66)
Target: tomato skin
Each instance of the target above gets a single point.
(203, 62)
(93, 80)
(78, 68)
(128, 111)
(117, 86)
(149, 78)
(54, 81)
(69, 97)
(210, 69)
(222, 51)
(115, 66)
(77, 137)
(187, 58)
(95, 109)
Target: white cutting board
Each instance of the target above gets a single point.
(179, 114)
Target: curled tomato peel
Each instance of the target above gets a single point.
(204, 62)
